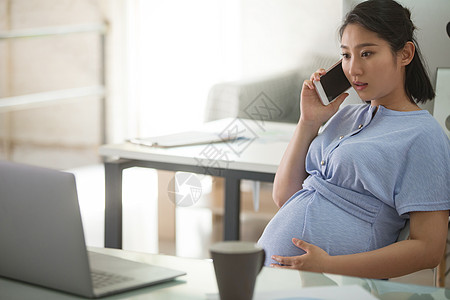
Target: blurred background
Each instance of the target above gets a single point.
(76, 74)
(102, 71)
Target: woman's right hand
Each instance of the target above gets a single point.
(312, 110)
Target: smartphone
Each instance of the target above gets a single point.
(332, 84)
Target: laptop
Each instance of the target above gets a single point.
(42, 239)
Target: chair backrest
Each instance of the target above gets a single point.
(404, 233)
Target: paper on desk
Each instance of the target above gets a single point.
(348, 292)
(186, 138)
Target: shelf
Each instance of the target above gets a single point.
(52, 31)
(51, 97)
(32, 100)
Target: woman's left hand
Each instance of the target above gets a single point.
(315, 259)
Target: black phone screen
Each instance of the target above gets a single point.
(334, 82)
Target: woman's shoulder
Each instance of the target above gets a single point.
(425, 132)
(425, 125)
(432, 132)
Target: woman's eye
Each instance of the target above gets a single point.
(345, 55)
(365, 54)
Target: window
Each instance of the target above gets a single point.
(179, 50)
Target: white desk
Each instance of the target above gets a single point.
(256, 158)
(200, 281)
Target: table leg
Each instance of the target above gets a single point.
(166, 213)
(232, 208)
(113, 205)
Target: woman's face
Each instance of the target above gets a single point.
(371, 67)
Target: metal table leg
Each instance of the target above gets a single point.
(113, 204)
(232, 208)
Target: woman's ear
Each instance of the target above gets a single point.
(408, 53)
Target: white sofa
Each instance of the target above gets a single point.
(281, 91)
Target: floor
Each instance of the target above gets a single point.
(196, 226)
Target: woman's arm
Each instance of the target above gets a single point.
(291, 172)
(423, 250)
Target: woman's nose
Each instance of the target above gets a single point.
(354, 67)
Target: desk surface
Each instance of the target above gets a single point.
(199, 283)
(261, 152)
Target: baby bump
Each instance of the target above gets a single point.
(285, 225)
(336, 229)
(336, 225)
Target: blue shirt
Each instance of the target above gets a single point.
(366, 173)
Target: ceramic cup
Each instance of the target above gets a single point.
(236, 265)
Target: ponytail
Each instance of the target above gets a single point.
(417, 82)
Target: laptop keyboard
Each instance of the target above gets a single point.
(102, 279)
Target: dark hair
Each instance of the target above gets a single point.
(392, 22)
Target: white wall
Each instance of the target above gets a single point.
(431, 18)
(279, 35)
(183, 48)
(61, 135)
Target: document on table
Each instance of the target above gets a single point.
(186, 138)
(348, 292)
